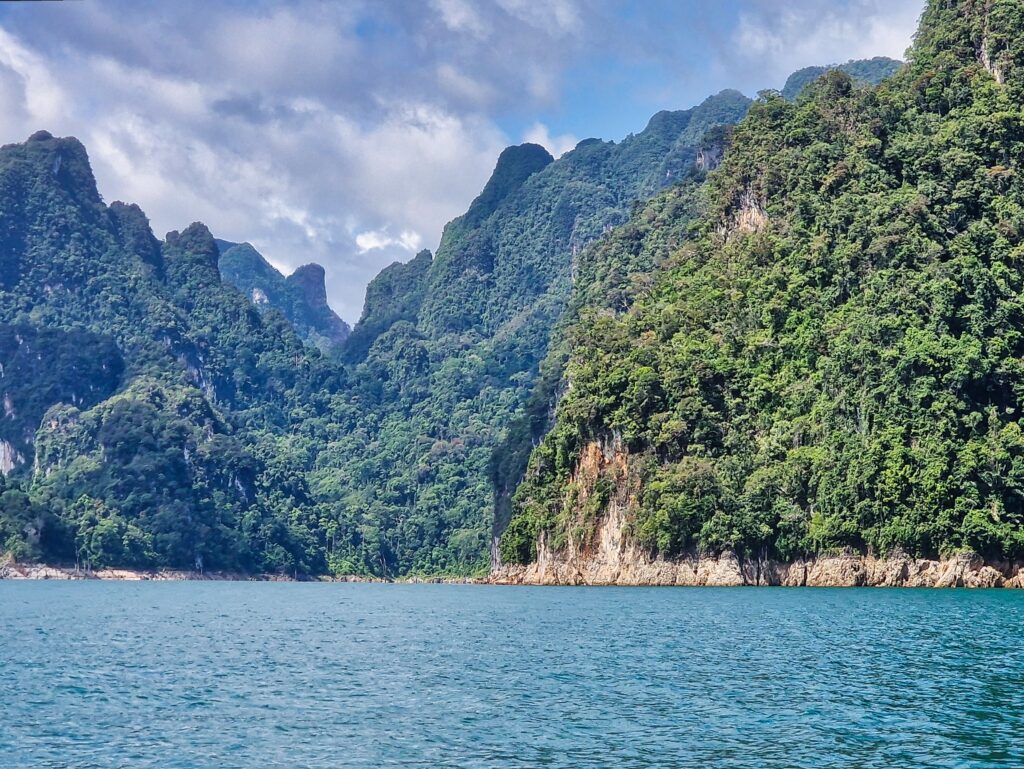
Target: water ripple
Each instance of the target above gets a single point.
(225, 675)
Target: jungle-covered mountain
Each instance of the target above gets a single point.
(147, 404)
(831, 358)
(179, 403)
(301, 297)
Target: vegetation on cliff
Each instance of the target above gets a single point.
(156, 415)
(862, 72)
(449, 347)
(146, 403)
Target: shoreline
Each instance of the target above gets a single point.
(41, 572)
(729, 570)
(726, 570)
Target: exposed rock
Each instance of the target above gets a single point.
(710, 157)
(750, 214)
(612, 559)
(727, 570)
(842, 571)
(985, 56)
(9, 458)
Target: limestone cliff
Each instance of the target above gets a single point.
(628, 566)
(602, 552)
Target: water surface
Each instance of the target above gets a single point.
(254, 675)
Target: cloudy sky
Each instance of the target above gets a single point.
(349, 132)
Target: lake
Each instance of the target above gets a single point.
(195, 675)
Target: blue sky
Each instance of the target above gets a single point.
(350, 132)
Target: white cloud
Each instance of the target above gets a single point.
(777, 41)
(460, 16)
(29, 94)
(558, 17)
(463, 86)
(377, 239)
(539, 133)
(253, 145)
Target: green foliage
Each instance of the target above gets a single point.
(26, 528)
(164, 418)
(141, 393)
(395, 295)
(40, 367)
(832, 361)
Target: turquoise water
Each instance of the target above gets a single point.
(249, 675)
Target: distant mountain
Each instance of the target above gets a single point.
(301, 297)
(863, 71)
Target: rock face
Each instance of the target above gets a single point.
(9, 458)
(310, 280)
(612, 560)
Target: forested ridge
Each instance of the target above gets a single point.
(179, 403)
(831, 361)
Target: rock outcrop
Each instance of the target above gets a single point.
(10, 458)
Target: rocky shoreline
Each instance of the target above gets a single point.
(27, 571)
(44, 572)
(610, 557)
(728, 570)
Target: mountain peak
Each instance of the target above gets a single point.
(135, 232)
(58, 160)
(668, 122)
(311, 280)
(515, 165)
(197, 242)
(862, 71)
(197, 239)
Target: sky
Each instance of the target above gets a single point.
(348, 133)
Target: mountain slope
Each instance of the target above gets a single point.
(396, 294)
(832, 363)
